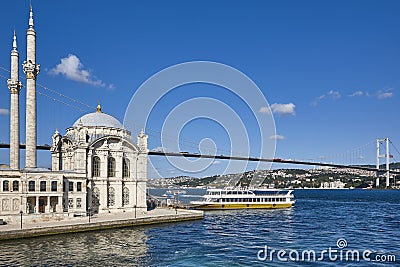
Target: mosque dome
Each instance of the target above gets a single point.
(98, 118)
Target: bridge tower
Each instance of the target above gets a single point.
(379, 155)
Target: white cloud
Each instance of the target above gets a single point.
(358, 93)
(72, 68)
(4, 111)
(329, 95)
(277, 137)
(281, 109)
(317, 100)
(334, 94)
(384, 94)
(266, 110)
(381, 94)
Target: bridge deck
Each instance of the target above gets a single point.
(283, 161)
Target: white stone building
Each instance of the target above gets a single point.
(99, 148)
(96, 166)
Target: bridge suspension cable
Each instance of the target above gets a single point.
(182, 141)
(64, 102)
(355, 155)
(395, 148)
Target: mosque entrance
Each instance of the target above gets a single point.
(42, 204)
(31, 204)
(53, 204)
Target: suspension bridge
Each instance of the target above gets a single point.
(355, 153)
(378, 170)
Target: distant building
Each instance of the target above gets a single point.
(333, 185)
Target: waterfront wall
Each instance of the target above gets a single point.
(43, 230)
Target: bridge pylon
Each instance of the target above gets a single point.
(385, 155)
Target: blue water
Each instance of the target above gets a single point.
(364, 219)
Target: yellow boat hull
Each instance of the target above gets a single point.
(243, 206)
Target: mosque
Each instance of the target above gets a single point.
(96, 165)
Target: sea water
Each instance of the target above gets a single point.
(324, 228)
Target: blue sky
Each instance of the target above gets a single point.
(330, 67)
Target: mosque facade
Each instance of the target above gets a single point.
(96, 165)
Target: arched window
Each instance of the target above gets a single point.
(54, 186)
(111, 196)
(111, 167)
(125, 196)
(15, 186)
(96, 167)
(31, 186)
(95, 198)
(42, 186)
(125, 168)
(6, 185)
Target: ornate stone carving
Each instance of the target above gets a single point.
(14, 86)
(56, 141)
(31, 69)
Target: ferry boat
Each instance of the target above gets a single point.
(238, 198)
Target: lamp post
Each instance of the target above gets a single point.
(135, 211)
(20, 213)
(89, 213)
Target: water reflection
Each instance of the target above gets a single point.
(366, 219)
(117, 247)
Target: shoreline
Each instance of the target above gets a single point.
(100, 222)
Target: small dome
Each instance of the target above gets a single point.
(99, 119)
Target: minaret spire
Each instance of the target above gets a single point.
(30, 17)
(15, 41)
(15, 86)
(31, 69)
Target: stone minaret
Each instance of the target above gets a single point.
(31, 69)
(15, 86)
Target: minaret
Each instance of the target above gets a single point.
(15, 86)
(31, 69)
